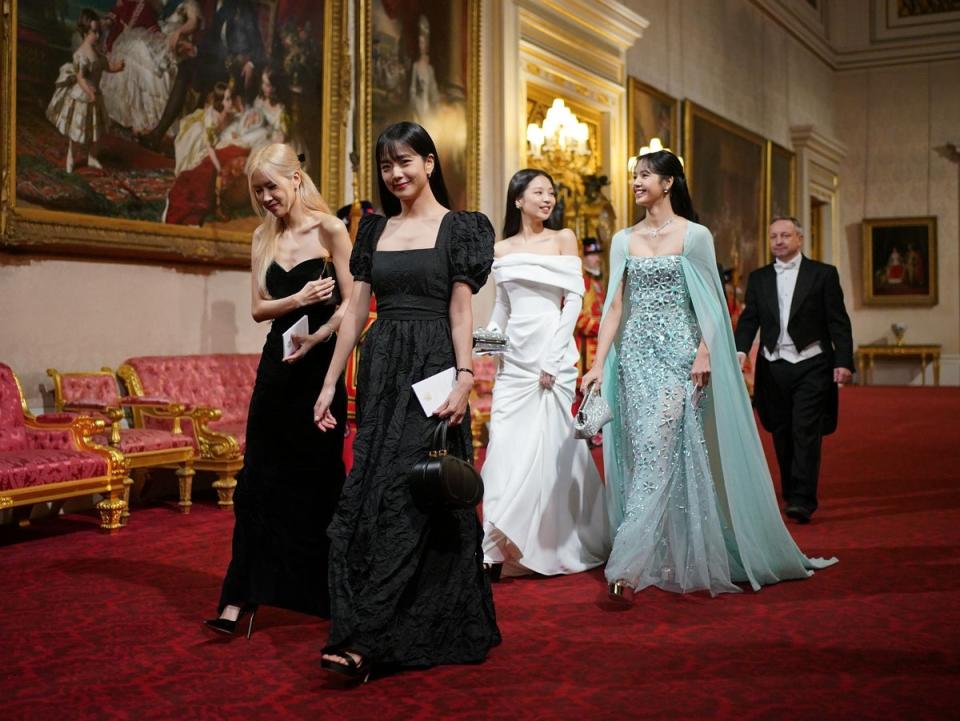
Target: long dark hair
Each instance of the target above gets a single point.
(667, 165)
(389, 144)
(518, 183)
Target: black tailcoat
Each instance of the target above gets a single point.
(817, 313)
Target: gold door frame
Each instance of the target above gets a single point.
(42, 231)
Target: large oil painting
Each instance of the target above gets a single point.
(781, 182)
(900, 261)
(138, 117)
(651, 114)
(725, 168)
(421, 64)
(781, 186)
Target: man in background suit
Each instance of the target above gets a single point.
(806, 350)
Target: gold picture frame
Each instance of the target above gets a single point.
(900, 261)
(726, 168)
(378, 106)
(32, 229)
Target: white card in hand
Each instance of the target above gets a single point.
(300, 328)
(433, 391)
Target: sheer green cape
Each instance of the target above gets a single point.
(761, 550)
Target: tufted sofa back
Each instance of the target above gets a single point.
(13, 432)
(90, 387)
(223, 381)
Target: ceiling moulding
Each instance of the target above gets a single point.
(829, 151)
(800, 23)
(887, 24)
(805, 23)
(595, 34)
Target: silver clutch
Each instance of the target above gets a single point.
(594, 413)
(489, 342)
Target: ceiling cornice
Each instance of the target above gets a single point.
(799, 23)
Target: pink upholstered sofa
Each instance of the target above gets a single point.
(214, 391)
(95, 393)
(53, 457)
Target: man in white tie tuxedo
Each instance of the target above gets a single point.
(806, 351)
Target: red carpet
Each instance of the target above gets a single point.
(98, 627)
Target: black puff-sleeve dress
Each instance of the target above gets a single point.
(407, 587)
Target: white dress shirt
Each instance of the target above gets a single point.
(786, 283)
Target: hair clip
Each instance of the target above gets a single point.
(301, 157)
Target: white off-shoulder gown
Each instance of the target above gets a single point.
(544, 507)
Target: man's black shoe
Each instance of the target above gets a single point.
(798, 514)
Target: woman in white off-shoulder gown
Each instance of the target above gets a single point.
(544, 509)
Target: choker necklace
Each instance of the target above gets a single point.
(654, 232)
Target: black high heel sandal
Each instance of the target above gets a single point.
(493, 571)
(228, 627)
(349, 667)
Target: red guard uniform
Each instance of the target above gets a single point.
(588, 324)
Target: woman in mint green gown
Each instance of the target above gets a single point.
(692, 505)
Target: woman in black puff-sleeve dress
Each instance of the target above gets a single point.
(407, 586)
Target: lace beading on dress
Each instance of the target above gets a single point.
(671, 535)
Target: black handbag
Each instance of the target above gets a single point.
(442, 479)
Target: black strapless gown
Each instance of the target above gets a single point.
(407, 587)
(292, 472)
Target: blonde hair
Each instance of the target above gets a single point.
(276, 160)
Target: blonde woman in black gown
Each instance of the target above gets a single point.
(292, 473)
(407, 586)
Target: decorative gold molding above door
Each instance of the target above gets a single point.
(575, 50)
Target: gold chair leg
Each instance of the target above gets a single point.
(185, 477)
(111, 509)
(125, 513)
(475, 427)
(224, 486)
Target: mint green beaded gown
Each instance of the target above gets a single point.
(691, 499)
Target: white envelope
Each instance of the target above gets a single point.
(300, 328)
(433, 391)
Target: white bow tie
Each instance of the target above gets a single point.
(784, 267)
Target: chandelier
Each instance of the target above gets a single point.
(562, 140)
(655, 145)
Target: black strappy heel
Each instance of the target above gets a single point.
(349, 667)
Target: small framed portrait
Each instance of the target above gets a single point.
(900, 261)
